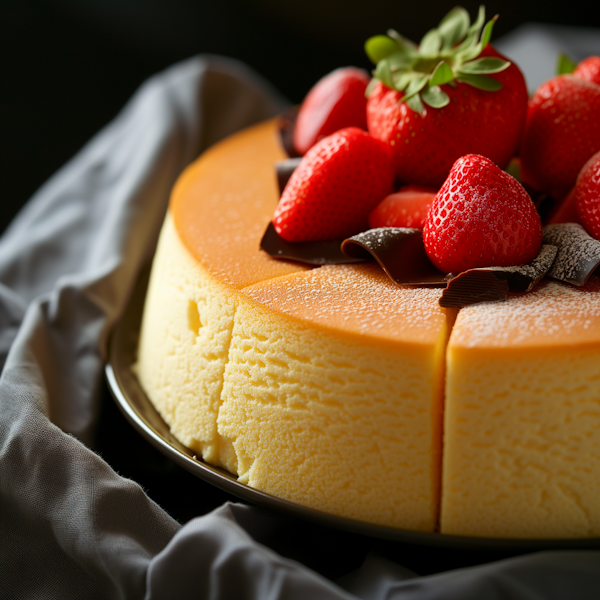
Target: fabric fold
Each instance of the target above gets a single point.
(67, 265)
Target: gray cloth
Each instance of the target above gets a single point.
(535, 48)
(70, 526)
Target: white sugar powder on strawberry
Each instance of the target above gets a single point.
(481, 217)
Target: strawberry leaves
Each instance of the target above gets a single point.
(445, 55)
(564, 65)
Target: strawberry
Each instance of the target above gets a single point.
(587, 195)
(481, 217)
(566, 212)
(453, 95)
(405, 208)
(334, 188)
(589, 69)
(562, 132)
(335, 101)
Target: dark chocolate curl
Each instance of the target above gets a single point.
(287, 122)
(489, 284)
(525, 277)
(578, 252)
(474, 286)
(284, 170)
(312, 253)
(399, 251)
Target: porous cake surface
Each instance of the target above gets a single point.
(522, 416)
(337, 407)
(184, 345)
(289, 400)
(337, 389)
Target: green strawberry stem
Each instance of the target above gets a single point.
(564, 65)
(446, 55)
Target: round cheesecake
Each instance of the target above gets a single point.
(337, 389)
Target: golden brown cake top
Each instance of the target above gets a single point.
(223, 202)
(554, 315)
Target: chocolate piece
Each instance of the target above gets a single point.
(312, 253)
(284, 170)
(524, 278)
(578, 252)
(474, 286)
(493, 283)
(399, 251)
(287, 122)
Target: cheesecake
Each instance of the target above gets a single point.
(337, 389)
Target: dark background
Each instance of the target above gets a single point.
(68, 66)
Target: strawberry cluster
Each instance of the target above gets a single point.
(425, 142)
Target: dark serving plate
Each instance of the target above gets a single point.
(138, 410)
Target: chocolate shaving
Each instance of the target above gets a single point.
(312, 253)
(493, 283)
(474, 286)
(578, 253)
(524, 278)
(287, 122)
(284, 170)
(399, 251)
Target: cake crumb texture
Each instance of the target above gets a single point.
(337, 389)
(184, 345)
(522, 417)
(338, 423)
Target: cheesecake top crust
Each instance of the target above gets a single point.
(222, 204)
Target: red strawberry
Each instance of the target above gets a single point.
(335, 101)
(334, 188)
(562, 132)
(587, 195)
(451, 96)
(405, 208)
(481, 217)
(566, 212)
(589, 69)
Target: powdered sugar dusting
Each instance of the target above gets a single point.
(578, 252)
(377, 238)
(553, 314)
(360, 298)
(536, 269)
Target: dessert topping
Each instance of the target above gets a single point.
(310, 253)
(335, 187)
(587, 195)
(451, 95)
(400, 253)
(286, 126)
(578, 253)
(588, 69)
(407, 207)
(494, 283)
(334, 102)
(284, 170)
(562, 132)
(482, 222)
(481, 217)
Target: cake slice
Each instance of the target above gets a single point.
(332, 395)
(522, 416)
